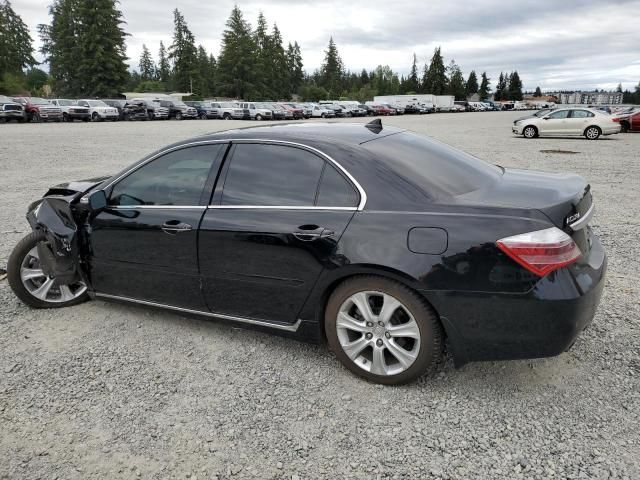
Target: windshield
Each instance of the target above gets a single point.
(542, 113)
(39, 101)
(434, 167)
(179, 104)
(97, 103)
(66, 103)
(229, 105)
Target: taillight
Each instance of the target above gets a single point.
(542, 251)
(615, 120)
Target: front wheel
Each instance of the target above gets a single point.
(258, 117)
(530, 132)
(382, 331)
(34, 287)
(95, 117)
(592, 133)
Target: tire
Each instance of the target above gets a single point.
(529, 131)
(150, 115)
(592, 132)
(324, 115)
(21, 254)
(66, 118)
(35, 118)
(85, 119)
(178, 116)
(624, 127)
(375, 343)
(258, 117)
(226, 116)
(203, 116)
(95, 117)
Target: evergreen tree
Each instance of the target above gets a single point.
(502, 91)
(455, 84)
(280, 80)
(435, 78)
(237, 71)
(412, 84)
(264, 63)
(163, 73)
(515, 86)
(332, 69)
(472, 83)
(147, 67)
(484, 90)
(85, 48)
(294, 62)
(16, 50)
(637, 94)
(538, 92)
(619, 88)
(184, 55)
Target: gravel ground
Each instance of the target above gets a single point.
(111, 391)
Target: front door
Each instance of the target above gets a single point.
(144, 244)
(271, 230)
(555, 123)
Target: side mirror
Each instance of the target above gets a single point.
(97, 200)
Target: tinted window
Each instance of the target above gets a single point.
(335, 190)
(272, 175)
(560, 114)
(430, 166)
(176, 178)
(581, 114)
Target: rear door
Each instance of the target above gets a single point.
(144, 244)
(555, 123)
(277, 217)
(578, 121)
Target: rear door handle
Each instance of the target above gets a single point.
(175, 226)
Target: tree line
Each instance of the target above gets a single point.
(84, 46)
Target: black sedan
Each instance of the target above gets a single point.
(381, 242)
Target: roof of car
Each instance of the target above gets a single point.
(348, 133)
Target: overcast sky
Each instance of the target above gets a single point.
(567, 44)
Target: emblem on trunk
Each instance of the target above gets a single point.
(573, 218)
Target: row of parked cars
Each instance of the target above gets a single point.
(34, 109)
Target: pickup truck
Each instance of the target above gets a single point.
(10, 110)
(39, 109)
(71, 110)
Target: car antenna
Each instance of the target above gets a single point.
(375, 125)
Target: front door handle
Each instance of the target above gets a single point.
(308, 233)
(175, 226)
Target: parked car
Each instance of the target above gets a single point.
(155, 111)
(10, 110)
(204, 109)
(398, 110)
(100, 111)
(296, 112)
(228, 110)
(71, 110)
(39, 110)
(353, 110)
(118, 104)
(179, 110)
(301, 234)
(252, 112)
(370, 111)
(277, 112)
(337, 110)
(629, 120)
(135, 110)
(306, 109)
(568, 121)
(382, 109)
(320, 111)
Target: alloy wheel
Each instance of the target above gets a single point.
(378, 333)
(44, 287)
(529, 132)
(592, 133)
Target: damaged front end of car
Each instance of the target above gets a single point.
(60, 216)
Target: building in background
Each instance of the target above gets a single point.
(589, 98)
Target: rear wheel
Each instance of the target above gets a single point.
(203, 116)
(624, 127)
(382, 331)
(178, 115)
(530, 132)
(592, 133)
(32, 285)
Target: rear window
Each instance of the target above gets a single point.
(433, 166)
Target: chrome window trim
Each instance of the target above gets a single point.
(361, 191)
(156, 207)
(278, 207)
(249, 321)
(582, 222)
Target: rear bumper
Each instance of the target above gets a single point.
(541, 323)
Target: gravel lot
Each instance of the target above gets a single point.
(110, 391)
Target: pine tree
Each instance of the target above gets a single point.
(205, 77)
(332, 69)
(412, 84)
(163, 73)
(502, 92)
(85, 47)
(264, 63)
(538, 92)
(455, 84)
(515, 86)
(146, 65)
(294, 62)
(435, 78)
(484, 90)
(184, 55)
(280, 81)
(16, 50)
(472, 83)
(237, 70)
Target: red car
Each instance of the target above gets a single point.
(629, 121)
(39, 109)
(297, 112)
(383, 110)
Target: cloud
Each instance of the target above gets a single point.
(578, 44)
